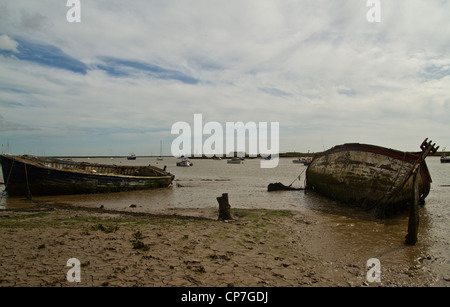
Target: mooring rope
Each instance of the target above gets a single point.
(298, 177)
(29, 196)
(9, 175)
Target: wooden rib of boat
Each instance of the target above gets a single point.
(24, 175)
(368, 176)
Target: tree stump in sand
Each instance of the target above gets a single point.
(224, 208)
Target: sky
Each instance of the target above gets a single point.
(118, 80)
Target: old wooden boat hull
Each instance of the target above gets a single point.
(367, 176)
(25, 175)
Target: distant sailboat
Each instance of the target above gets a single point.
(160, 158)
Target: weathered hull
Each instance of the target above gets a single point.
(367, 176)
(21, 176)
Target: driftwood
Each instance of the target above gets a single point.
(224, 208)
(281, 187)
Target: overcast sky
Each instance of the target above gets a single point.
(117, 81)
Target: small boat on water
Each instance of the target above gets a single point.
(235, 161)
(444, 157)
(25, 175)
(368, 176)
(160, 158)
(303, 160)
(185, 162)
(307, 161)
(131, 156)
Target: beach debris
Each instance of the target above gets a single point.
(107, 229)
(224, 207)
(281, 187)
(278, 186)
(137, 243)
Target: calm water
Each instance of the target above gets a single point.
(339, 231)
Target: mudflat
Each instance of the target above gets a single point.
(175, 248)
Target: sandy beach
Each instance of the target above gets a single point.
(177, 248)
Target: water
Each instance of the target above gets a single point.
(338, 231)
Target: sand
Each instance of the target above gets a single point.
(175, 248)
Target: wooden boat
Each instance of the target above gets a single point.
(131, 156)
(44, 176)
(368, 176)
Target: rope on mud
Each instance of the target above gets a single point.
(281, 187)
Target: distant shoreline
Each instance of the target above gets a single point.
(281, 155)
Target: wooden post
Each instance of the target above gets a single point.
(224, 208)
(413, 223)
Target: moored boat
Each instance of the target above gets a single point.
(307, 161)
(444, 157)
(25, 175)
(235, 161)
(303, 160)
(367, 176)
(185, 162)
(160, 158)
(131, 156)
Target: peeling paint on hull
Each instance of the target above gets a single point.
(366, 176)
(54, 177)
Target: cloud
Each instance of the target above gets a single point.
(344, 90)
(43, 54)
(125, 68)
(316, 67)
(11, 126)
(275, 92)
(8, 44)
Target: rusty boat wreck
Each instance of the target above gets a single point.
(28, 175)
(371, 177)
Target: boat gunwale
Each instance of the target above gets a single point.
(393, 153)
(389, 152)
(27, 161)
